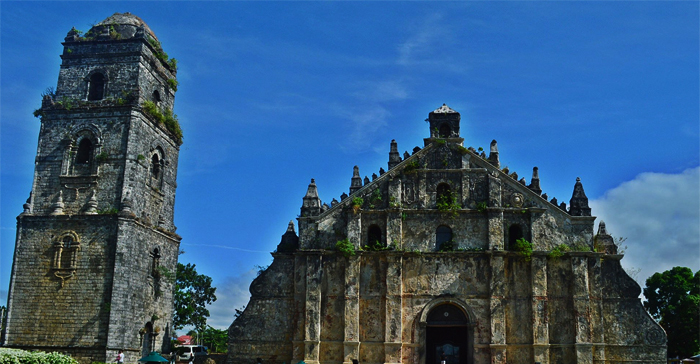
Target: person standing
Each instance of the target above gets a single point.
(120, 357)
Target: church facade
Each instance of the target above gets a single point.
(445, 257)
(96, 249)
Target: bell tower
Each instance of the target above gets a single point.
(96, 249)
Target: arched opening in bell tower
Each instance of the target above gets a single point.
(96, 87)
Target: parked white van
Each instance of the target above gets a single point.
(189, 352)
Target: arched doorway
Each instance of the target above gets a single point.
(448, 335)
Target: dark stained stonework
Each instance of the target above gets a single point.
(96, 244)
(404, 301)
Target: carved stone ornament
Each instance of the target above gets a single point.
(516, 200)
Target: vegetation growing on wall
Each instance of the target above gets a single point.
(166, 118)
(524, 248)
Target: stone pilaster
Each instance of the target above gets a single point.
(466, 197)
(355, 229)
(496, 235)
(394, 227)
(299, 307)
(351, 342)
(540, 325)
(312, 313)
(581, 297)
(596, 306)
(393, 326)
(498, 316)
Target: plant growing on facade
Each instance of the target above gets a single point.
(524, 248)
(448, 246)
(411, 167)
(357, 203)
(345, 247)
(558, 251)
(482, 207)
(375, 199)
(166, 118)
(448, 203)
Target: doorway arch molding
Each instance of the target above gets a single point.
(422, 324)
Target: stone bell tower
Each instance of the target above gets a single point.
(96, 249)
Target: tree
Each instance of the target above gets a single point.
(214, 339)
(673, 299)
(193, 292)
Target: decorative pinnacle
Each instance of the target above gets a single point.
(493, 154)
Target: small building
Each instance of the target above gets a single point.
(96, 248)
(445, 255)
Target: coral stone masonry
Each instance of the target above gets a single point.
(96, 248)
(445, 257)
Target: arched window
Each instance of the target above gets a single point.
(445, 130)
(67, 256)
(443, 192)
(155, 166)
(443, 235)
(515, 232)
(156, 97)
(374, 236)
(84, 154)
(96, 87)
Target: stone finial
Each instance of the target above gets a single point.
(127, 204)
(27, 207)
(290, 240)
(324, 207)
(92, 204)
(57, 207)
(366, 181)
(522, 181)
(416, 150)
(562, 206)
(72, 35)
(493, 154)
(406, 155)
(601, 228)
(544, 196)
(356, 180)
(506, 170)
(604, 242)
(374, 176)
(311, 205)
(554, 201)
(381, 171)
(343, 196)
(535, 181)
(394, 157)
(334, 202)
(514, 175)
(579, 202)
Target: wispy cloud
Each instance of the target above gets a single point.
(659, 214)
(231, 294)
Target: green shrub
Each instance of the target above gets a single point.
(345, 247)
(482, 207)
(168, 119)
(524, 248)
(411, 167)
(559, 251)
(16, 356)
(172, 83)
(448, 246)
(462, 150)
(357, 203)
(448, 203)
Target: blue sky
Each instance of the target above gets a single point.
(273, 94)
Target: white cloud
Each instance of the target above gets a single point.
(231, 294)
(659, 214)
